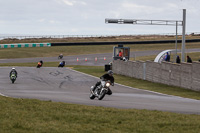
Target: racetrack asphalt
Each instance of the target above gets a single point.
(67, 85)
(102, 59)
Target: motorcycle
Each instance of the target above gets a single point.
(101, 90)
(13, 77)
(40, 63)
(61, 64)
(60, 56)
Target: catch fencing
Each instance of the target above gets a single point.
(4, 36)
(186, 75)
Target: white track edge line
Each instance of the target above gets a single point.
(121, 84)
(3, 95)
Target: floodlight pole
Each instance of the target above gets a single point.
(183, 37)
(157, 22)
(176, 39)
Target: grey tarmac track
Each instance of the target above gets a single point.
(66, 85)
(72, 60)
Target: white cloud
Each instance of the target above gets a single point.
(71, 2)
(68, 2)
(53, 21)
(88, 16)
(172, 5)
(114, 14)
(135, 8)
(41, 20)
(83, 3)
(74, 30)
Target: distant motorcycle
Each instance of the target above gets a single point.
(61, 64)
(40, 63)
(13, 77)
(60, 56)
(100, 90)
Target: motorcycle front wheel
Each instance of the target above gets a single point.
(101, 95)
(13, 81)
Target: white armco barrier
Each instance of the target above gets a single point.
(22, 45)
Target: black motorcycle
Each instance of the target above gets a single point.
(101, 90)
(13, 77)
(60, 56)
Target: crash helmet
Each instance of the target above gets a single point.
(13, 68)
(110, 72)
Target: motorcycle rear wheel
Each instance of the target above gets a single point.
(92, 96)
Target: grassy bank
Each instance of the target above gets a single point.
(25, 115)
(195, 56)
(98, 39)
(77, 50)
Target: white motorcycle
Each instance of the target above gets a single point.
(101, 90)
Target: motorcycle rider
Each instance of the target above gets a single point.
(40, 63)
(61, 64)
(13, 71)
(60, 56)
(105, 77)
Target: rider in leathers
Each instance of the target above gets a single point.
(105, 77)
(13, 71)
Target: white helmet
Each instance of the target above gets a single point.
(13, 68)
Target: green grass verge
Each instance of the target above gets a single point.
(120, 38)
(35, 116)
(77, 50)
(195, 56)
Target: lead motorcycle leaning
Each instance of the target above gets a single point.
(101, 90)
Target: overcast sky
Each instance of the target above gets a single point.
(87, 17)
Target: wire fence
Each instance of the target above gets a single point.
(20, 37)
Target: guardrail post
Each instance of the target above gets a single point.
(144, 71)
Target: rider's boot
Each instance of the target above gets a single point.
(93, 89)
(109, 92)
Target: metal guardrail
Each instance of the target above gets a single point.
(54, 36)
(90, 43)
(120, 42)
(21, 45)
